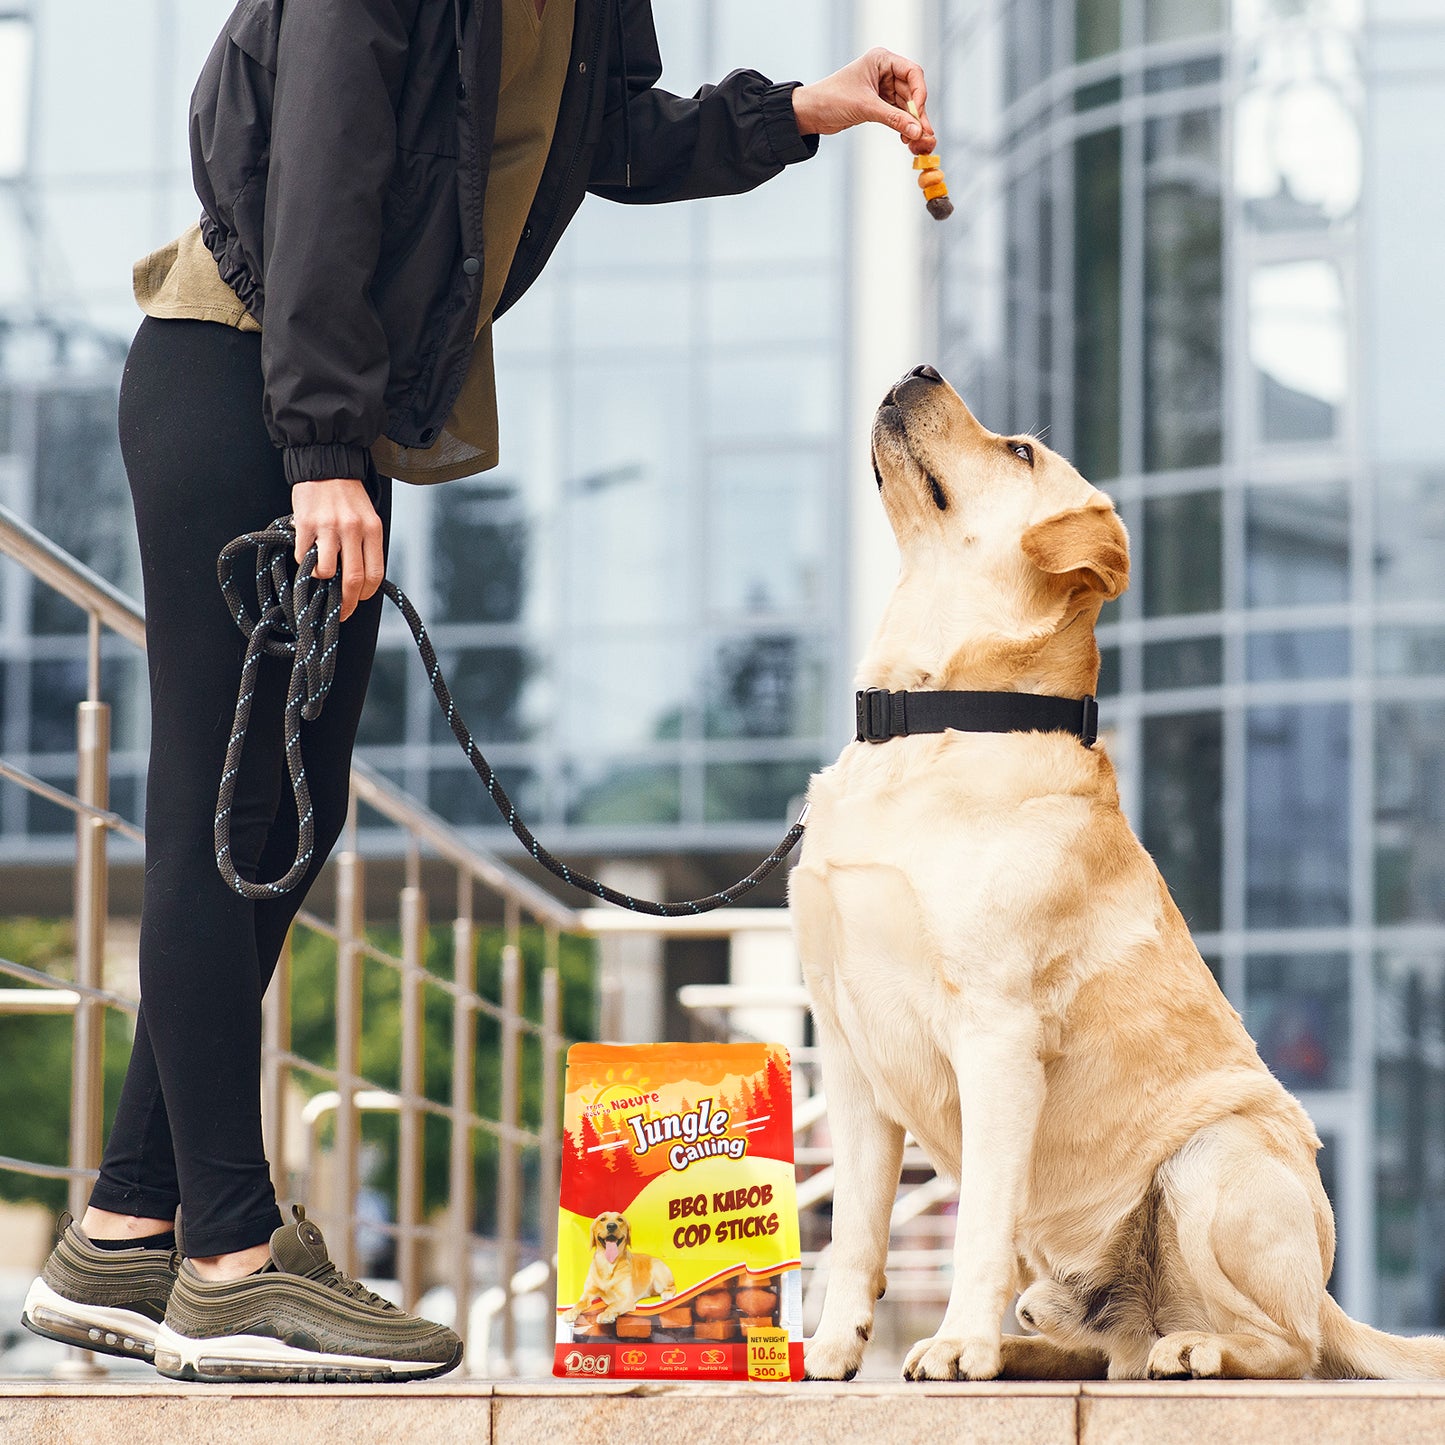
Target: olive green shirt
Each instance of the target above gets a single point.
(181, 278)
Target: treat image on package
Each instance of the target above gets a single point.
(677, 1240)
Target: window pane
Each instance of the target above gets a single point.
(1109, 680)
(15, 60)
(1410, 651)
(1030, 301)
(1183, 285)
(765, 687)
(479, 553)
(1409, 535)
(1028, 45)
(767, 533)
(1101, 92)
(383, 718)
(1298, 342)
(1097, 30)
(1297, 1009)
(1096, 304)
(1297, 789)
(1273, 656)
(1183, 791)
(1181, 555)
(82, 500)
(460, 796)
(1175, 19)
(489, 687)
(1187, 662)
(1409, 1004)
(623, 793)
(757, 792)
(625, 492)
(623, 692)
(1297, 545)
(1410, 812)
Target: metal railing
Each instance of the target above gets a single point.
(85, 999)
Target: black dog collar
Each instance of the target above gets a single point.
(883, 714)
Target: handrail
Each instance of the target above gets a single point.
(87, 999)
(71, 577)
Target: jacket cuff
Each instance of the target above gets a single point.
(780, 125)
(322, 461)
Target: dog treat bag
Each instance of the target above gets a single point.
(677, 1244)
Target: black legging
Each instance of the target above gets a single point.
(202, 470)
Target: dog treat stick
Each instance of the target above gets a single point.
(935, 188)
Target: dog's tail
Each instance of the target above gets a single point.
(1352, 1351)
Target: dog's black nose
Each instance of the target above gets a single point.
(927, 372)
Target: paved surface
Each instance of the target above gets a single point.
(547, 1413)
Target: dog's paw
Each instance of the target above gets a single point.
(1184, 1356)
(833, 1359)
(608, 1318)
(950, 1359)
(572, 1315)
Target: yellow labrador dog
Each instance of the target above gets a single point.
(996, 965)
(619, 1275)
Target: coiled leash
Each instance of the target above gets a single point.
(300, 618)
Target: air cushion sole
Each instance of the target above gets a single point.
(231, 1358)
(104, 1329)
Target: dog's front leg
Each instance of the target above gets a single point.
(867, 1160)
(1001, 1092)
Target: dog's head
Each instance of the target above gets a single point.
(1005, 537)
(611, 1234)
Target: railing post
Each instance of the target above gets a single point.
(462, 1166)
(409, 1133)
(509, 1161)
(275, 1072)
(87, 1066)
(551, 1129)
(350, 928)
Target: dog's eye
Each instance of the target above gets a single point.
(1023, 451)
(939, 500)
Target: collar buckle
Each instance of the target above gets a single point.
(1089, 726)
(874, 715)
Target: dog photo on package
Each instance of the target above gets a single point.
(677, 1237)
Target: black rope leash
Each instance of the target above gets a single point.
(300, 618)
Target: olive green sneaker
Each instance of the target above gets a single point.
(299, 1318)
(109, 1301)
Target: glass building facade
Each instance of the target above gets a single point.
(638, 611)
(1199, 250)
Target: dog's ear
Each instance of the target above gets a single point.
(1089, 541)
(626, 1232)
(596, 1237)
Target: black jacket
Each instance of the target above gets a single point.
(340, 150)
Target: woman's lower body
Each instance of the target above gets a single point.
(187, 1132)
(203, 470)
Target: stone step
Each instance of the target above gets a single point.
(605, 1413)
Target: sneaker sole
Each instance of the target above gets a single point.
(230, 1358)
(104, 1329)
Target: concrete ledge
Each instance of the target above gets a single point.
(863, 1413)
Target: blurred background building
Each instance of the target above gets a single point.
(1195, 242)
(1200, 250)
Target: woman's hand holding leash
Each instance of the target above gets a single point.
(337, 515)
